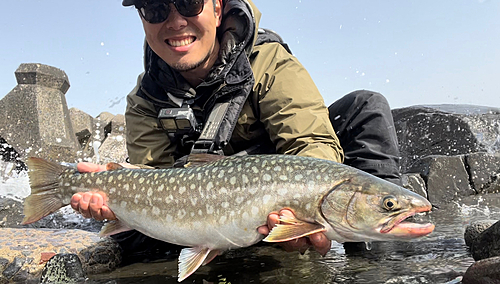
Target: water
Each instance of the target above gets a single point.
(441, 257)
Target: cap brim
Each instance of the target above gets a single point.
(128, 2)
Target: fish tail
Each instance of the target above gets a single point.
(46, 194)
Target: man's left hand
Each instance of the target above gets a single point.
(318, 240)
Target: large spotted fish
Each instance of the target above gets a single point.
(219, 205)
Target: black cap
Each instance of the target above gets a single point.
(128, 2)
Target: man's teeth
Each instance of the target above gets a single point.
(177, 43)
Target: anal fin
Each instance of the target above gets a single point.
(191, 259)
(291, 229)
(113, 227)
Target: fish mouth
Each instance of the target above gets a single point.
(401, 227)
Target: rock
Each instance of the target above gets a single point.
(36, 117)
(484, 172)
(487, 243)
(486, 271)
(448, 130)
(24, 252)
(415, 183)
(114, 147)
(63, 268)
(103, 126)
(473, 230)
(446, 178)
(11, 213)
(83, 127)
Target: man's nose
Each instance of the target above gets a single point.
(175, 20)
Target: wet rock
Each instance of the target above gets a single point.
(27, 249)
(103, 256)
(446, 178)
(486, 271)
(448, 130)
(473, 230)
(415, 183)
(34, 119)
(487, 244)
(10, 213)
(484, 171)
(103, 125)
(83, 127)
(63, 268)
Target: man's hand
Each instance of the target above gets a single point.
(319, 240)
(92, 204)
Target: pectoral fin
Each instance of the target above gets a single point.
(292, 229)
(113, 227)
(191, 259)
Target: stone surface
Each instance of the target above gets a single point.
(484, 172)
(445, 130)
(11, 213)
(415, 183)
(34, 119)
(83, 127)
(473, 230)
(446, 178)
(486, 271)
(23, 248)
(63, 268)
(487, 243)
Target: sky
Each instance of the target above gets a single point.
(412, 51)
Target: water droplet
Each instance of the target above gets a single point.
(368, 245)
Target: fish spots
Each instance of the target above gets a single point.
(181, 213)
(137, 198)
(283, 178)
(120, 177)
(150, 192)
(239, 200)
(98, 181)
(192, 186)
(182, 189)
(144, 211)
(245, 179)
(252, 190)
(245, 216)
(282, 191)
(255, 170)
(308, 206)
(136, 175)
(210, 185)
(169, 218)
(160, 188)
(110, 179)
(200, 212)
(221, 174)
(210, 209)
(171, 180)
(298, 177)
(232, 180)
(126, 187)
(156, 211)
(277, 169)
(266, 198)
(123, 204)
(255, 210)
(225, 204)
(194, 200)
(112, 190)
(222, 219)
(223, 190)
(267, 177)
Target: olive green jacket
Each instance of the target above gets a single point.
(285, 108)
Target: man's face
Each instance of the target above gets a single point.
(186, 43)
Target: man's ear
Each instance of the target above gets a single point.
(218, 11)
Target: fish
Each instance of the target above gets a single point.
(211, 207)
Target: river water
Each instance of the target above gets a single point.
(441, 257)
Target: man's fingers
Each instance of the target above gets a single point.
(321, 243)
(85, 167)
(84, 203)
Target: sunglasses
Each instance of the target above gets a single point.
(155, 12)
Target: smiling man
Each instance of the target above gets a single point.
(216, 83)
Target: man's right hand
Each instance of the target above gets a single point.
(92, 204)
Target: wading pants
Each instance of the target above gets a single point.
(363, 123)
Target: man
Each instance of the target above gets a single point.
(207, 59)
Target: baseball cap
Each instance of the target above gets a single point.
(128, 2)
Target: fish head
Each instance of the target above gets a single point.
(366, 208)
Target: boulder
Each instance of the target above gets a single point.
(487, 243)
(34, 117)
(484, 172)
(24, 252)
(473, 230)
(446, 178)
(447, 130)
(486, 271)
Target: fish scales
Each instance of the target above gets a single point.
(219, 205)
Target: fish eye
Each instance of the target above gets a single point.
(390, 202)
